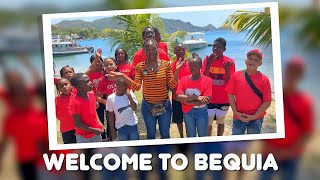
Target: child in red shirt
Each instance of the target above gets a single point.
(177, 113)
(106, 87)
(88, 127)
(219, 68)
(248, 107)
(67, 72)
(122, 62)
(63, 111)
(194, 92)
(95, 72)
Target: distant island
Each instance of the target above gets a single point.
(170, 25)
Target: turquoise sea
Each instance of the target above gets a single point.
(236, 49)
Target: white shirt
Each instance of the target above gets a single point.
(121, 108)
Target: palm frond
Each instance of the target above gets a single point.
(258, 25)
(131, 37)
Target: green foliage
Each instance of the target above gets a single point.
(258, 24)
(173, 40)
(83, 32)
(309, 33)
(131, 37)
(131, 4)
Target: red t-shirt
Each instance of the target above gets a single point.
(218, 76)
(42, 133)
(24, 127)
(126, 69)
(163, 46)
(140, 56)
(297, 105)
(64, 113)
(200, 87)
(246, 100)
(94, 78)
(106, 87)
(55, 80)
(7, 97)
(86, 108)
(184, 71)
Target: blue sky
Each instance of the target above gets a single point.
(201, 18)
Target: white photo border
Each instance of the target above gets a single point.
(51, 110)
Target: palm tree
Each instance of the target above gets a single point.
(131, 37)
(258, 25)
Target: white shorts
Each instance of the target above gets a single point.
(217, 113)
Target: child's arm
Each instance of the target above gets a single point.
(200, 100)
(94, 62)
(186, 98)
(92, 66)
(232, 103)
(112, 121)
(99, 98)
(264, 106)
(132, 103)
(79, 124)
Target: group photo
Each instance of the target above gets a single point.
(162, 76)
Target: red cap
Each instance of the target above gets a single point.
(257, 52)
(297, 62)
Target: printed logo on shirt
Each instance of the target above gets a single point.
(217, 74)
(123, 108)
(216, 70)
(111, 86)
(95, 83)
(192, 91)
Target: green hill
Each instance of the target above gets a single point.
(170, 25)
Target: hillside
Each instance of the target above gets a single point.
(170, 25)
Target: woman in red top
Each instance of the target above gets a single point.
(122, 62)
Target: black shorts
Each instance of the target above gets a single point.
(217, 106)
(177, 114)
(69, 137)
(28, 170)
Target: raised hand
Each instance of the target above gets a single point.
(128, 93)
(211, 58)
(114, 75)
(227, 65)
(180, 62)
(98, 52)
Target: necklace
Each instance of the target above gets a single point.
(152, 68)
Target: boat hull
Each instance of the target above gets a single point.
(75, 51)
(199, 45)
